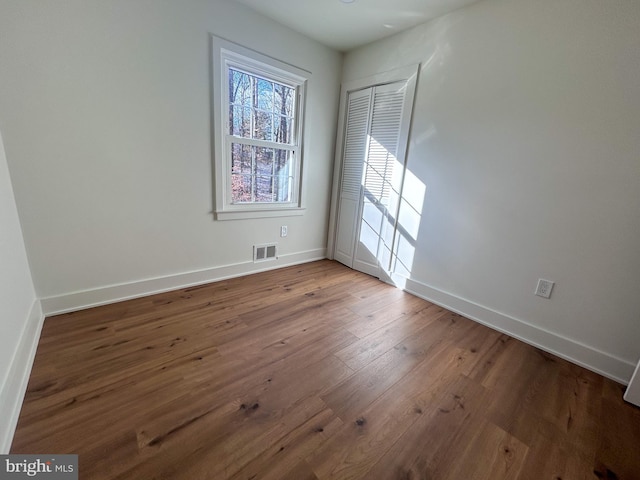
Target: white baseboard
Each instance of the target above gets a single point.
(13, 390)
(126, 291)
(591, 358)
(632, 395)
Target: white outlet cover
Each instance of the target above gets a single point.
(544, 288)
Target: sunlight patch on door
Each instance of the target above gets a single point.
(391, 215)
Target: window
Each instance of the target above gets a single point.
(258, 109)
(261, 119)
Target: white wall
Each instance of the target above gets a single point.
(20, 316)
(105, 109)
(525, 135)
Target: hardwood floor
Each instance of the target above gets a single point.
(314, 372)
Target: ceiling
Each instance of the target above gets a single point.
(344, 26)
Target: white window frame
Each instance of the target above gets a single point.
(225, 55)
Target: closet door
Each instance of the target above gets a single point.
(354, 153)
(373, 167)
(381, 180)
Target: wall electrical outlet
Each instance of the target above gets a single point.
(283, 231)
(544, 288)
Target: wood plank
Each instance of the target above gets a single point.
(371, 346)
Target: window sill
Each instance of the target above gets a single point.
(258, 213)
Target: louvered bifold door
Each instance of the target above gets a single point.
(382, 179)
(354, 154)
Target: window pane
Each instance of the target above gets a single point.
(239, 88)
(283, 160)
(264, 95)
(264, 161)
(282, 188)
(241, 158)
(240, 188)
(283, 130)
(240, 121)
(263, 126)
(282, 175)
(284, 100)
(264, 189)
